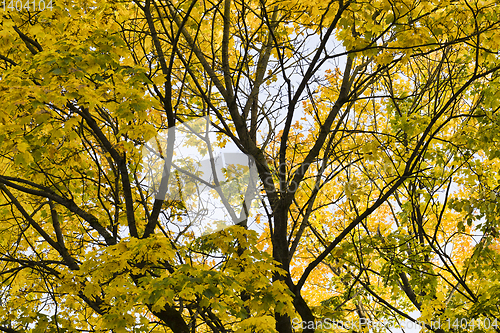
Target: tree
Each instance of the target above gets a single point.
(397, 103)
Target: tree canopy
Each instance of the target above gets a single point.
(372, 129)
